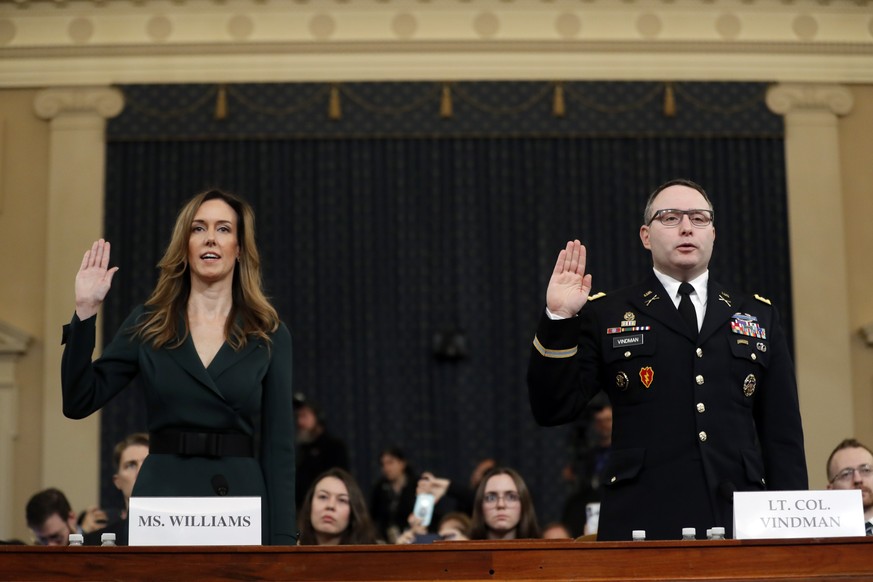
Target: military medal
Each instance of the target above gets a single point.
(621, 381)
(629, 323)
(749, 385)
(745, 324)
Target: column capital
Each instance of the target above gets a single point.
(104, 101)
(786, 98)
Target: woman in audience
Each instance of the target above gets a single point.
(503, 508)
(455, 526)
(334, 512)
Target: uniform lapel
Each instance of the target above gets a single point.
(651, 298)
(720, 305)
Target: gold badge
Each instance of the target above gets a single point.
(749, 385)
(621, 381)
(629, 320)
(646, 376)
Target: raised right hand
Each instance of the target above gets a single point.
(93, 279)
(429, 483)
(569, 285)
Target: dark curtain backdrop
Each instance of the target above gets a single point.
(372, 245)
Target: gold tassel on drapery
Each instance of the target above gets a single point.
(334, 107)
(559, 108)
(446, 102)
(221, 103)
(669, 100)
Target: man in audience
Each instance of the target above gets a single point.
(127, 459)
(850, 466)
(51, 518)
(317, 449)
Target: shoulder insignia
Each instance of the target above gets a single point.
(762, 299)
(596, 296)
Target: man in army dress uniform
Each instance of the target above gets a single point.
(700, 379)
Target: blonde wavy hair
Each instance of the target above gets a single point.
(251, 313)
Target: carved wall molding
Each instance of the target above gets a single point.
(104, 101)
(786, 98)
(67, 42)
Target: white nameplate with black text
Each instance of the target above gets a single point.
(195, 521)
(798, 514)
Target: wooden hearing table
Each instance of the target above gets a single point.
(828, 559)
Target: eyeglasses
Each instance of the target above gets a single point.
(509, 498)
(671, 217)
(848, 473)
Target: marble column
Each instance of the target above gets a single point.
(77, 158)
(820, 285)
(13, 344)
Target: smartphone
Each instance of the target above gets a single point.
(423, 509)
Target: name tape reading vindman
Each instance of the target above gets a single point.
(798, 514)
(195, 521)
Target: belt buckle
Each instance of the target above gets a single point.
(212, 446)
(194, 444)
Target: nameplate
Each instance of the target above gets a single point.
(195, 521)
(798, 514)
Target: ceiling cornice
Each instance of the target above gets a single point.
(73, 42)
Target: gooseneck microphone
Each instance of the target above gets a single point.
(220, 485)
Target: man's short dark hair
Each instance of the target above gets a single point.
(299, 400)
(846, 444)
(676, 182)
(137, 438)
(45, 504)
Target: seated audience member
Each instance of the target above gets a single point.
(393, 495)
(455, 527)
(127, 458)
(51, 518)
(556, 531)
(317, 449)
(850, 466)
(334, 512)
(449, 496)
(503, 508)
(591, 444)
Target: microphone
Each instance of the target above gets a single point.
(220, 485)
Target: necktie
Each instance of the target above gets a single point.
(869, 528)
(686, 308)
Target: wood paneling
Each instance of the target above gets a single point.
(832, 559)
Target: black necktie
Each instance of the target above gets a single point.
(686, 308)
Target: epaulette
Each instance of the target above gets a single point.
(762, 299)
(596, 296)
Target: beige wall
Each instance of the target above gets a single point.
(856, 150)
(23, 185)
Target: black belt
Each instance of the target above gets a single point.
(201, 444)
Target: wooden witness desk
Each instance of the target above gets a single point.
(814, 559)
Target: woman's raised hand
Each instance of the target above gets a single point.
(93, 279)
